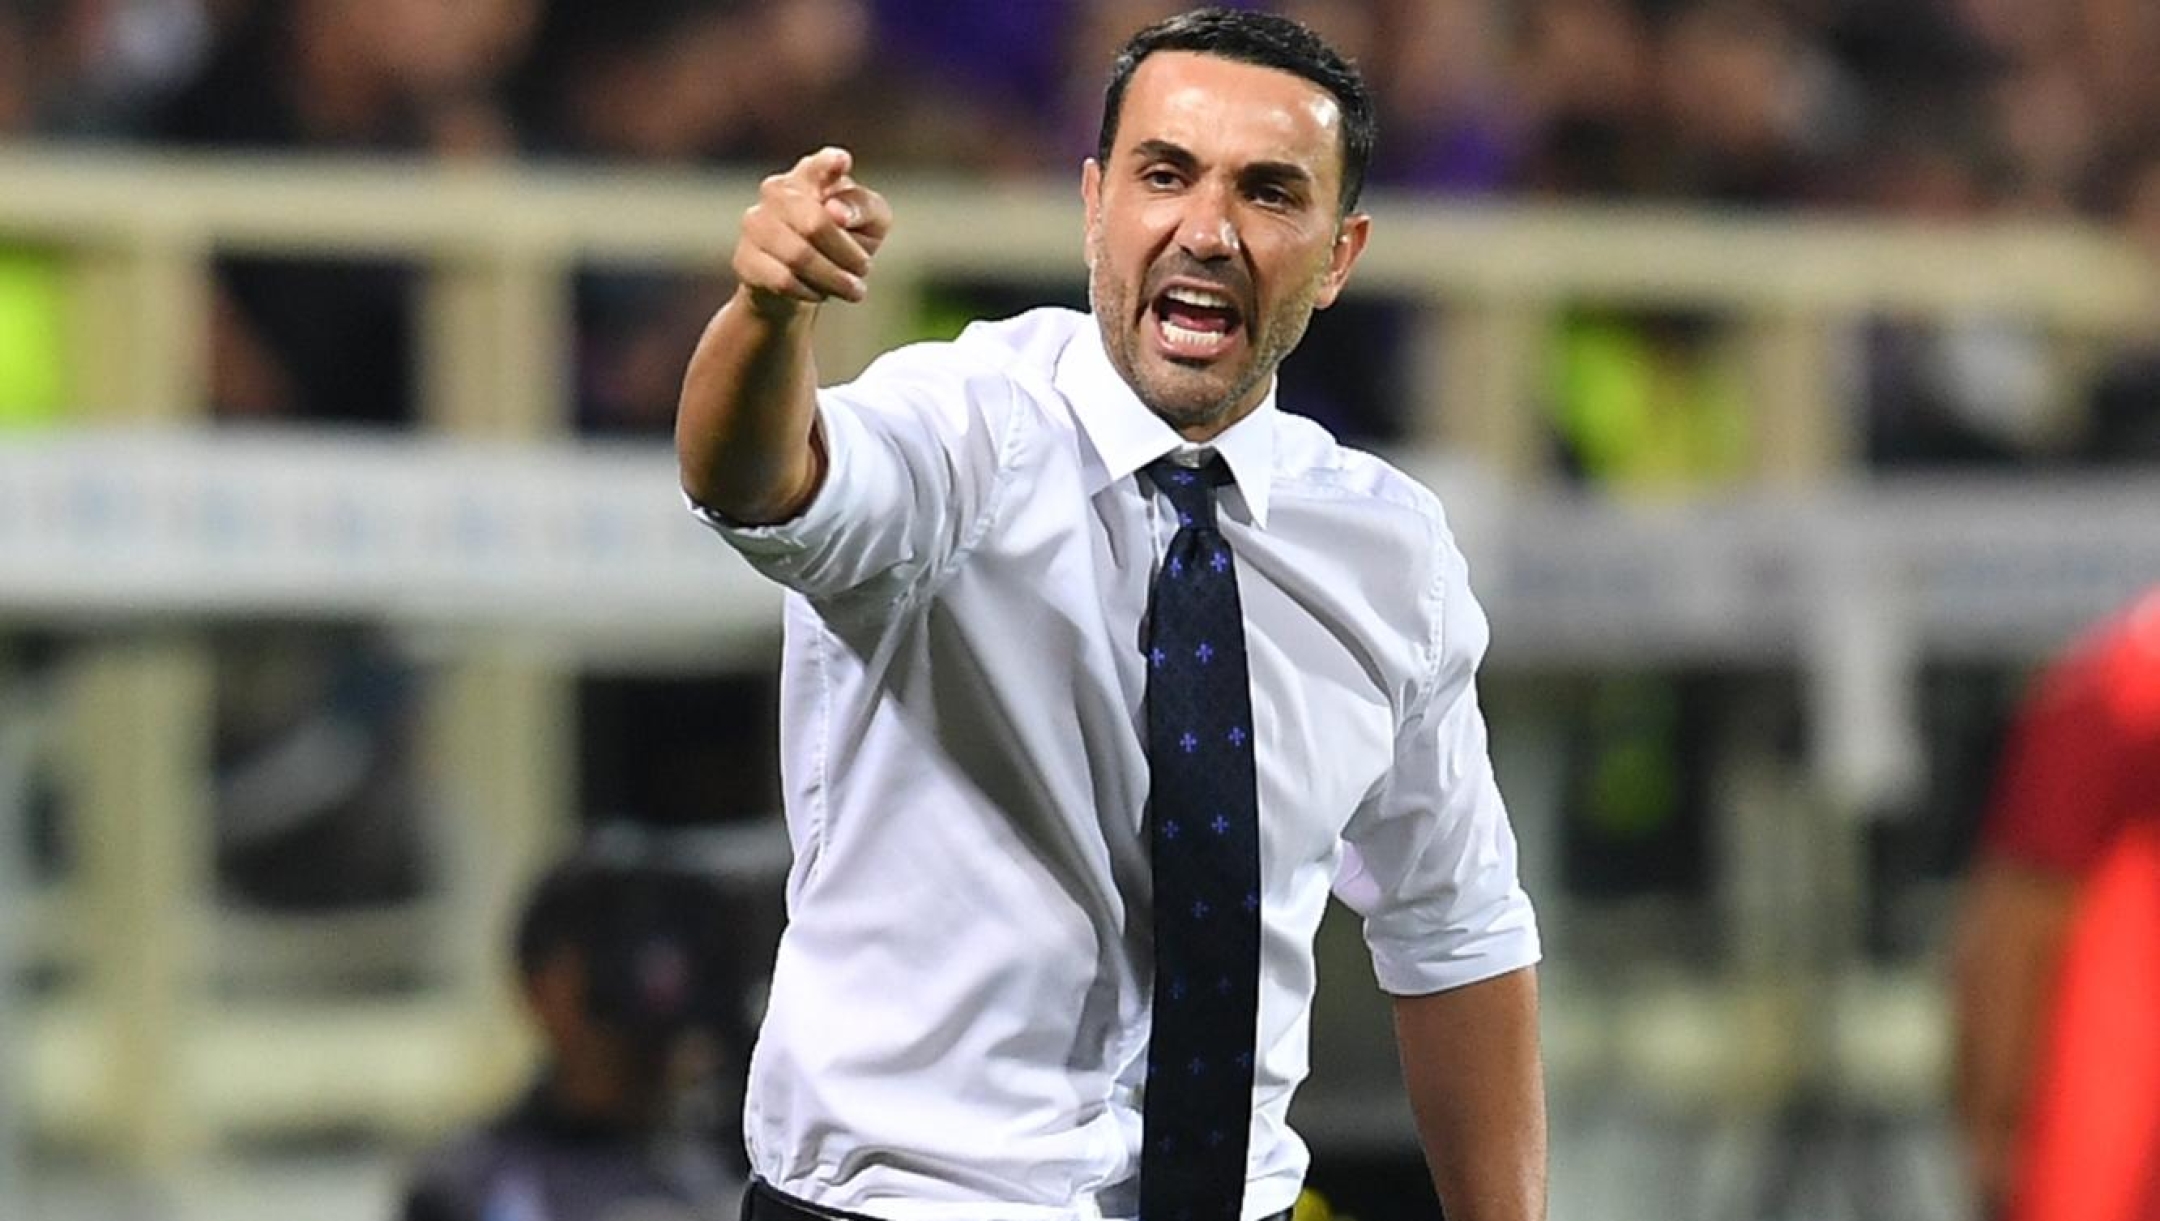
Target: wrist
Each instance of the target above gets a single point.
(777, 309)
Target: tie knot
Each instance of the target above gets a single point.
(1190, 489)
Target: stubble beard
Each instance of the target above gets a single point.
(1193, 405)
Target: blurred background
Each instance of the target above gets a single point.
(1791, 369)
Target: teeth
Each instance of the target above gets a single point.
(1185, 337)
(1200, 297)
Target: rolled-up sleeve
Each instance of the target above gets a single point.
(913, 461)
(1430, 860)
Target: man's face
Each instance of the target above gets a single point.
(1213, 232)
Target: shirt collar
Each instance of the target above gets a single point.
(1123, 435)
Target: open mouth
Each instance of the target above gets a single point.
(1196, 323)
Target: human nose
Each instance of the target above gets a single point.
(1207, 230)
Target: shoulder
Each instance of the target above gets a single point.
(1005, 358)
(986, 390)
(1313, 467)
(1387, 537)
(1029, 343)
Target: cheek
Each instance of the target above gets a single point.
(1124, 253)
(1139, 230)
(1121, 239)
(1296, 272)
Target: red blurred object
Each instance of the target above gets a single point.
(2090, 1149)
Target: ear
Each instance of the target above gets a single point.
(1350, 237)
(1091, 201)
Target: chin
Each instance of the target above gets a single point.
(1193, 389)
(1183, 414)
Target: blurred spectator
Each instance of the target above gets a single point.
(813, 81)
(1006, 89)
(1439, 70)
(760, 84)
(1651, 403)
(34, 372)
(1584, 84)
(91, 69)
(1756, 102)
(2121, 42)
(1954, 111)
(1000, 55)
(2048, 133)
(1638, 763)
(1907, 59)
(654, 743)
(633, 325)
(33, 343)
(319, 801)
(639, 81)
(1742, 108)
(1977, 392)
(318, 339)
(1092, 40)
(637, 970)
(692, 82)
(393, 76)
(2081, 773)
(18, 97)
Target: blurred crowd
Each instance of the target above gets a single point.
(2029, 105)
(2037, 106)
(1942, 110)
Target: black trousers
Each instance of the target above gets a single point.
(764, 1203)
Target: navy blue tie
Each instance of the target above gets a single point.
(1205, 840)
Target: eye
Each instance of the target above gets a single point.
(1274, 195)
(1161, 177)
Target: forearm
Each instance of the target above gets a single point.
(1477, 1086)
(743, 428)
(2008, 940)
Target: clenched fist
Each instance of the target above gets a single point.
(810, 235)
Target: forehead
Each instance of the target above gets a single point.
(1230, 110)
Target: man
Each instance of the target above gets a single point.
(1099, 670)
(2057, 948)
(635, 971)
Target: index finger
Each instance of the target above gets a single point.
(826, 168)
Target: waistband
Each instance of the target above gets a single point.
(764, 1202)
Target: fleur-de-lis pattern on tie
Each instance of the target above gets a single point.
(1203, 814)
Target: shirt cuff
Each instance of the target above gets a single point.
(797, 533)
(1505, 939)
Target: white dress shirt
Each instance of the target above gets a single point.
(958, 1022)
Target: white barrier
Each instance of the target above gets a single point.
(592, 541)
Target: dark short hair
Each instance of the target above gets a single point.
(1269, 41)
(659, 944)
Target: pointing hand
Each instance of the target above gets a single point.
(810, 235)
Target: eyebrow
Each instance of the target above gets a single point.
(1164, 150)
(1287, 173)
